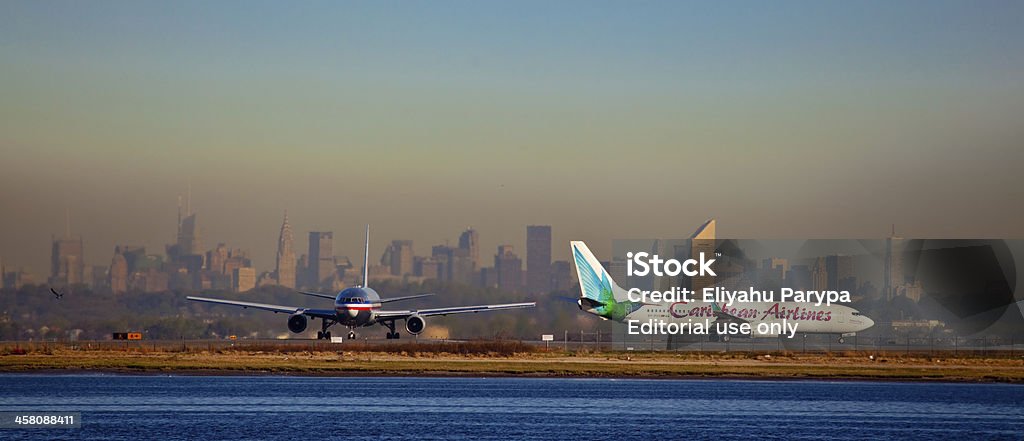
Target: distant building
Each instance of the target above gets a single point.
(508, 269)
(15, 279)
(150, 280)
(538, 258)
(216, 258)
(118, 273)
(285, 267)
(776, 265)
(401, 257)
(701, 241)
(67, 261)
(454, 264)
(893, 277)
(912, 291)
(840, 273)
(470, 241)
(460, 266)
(321, 257)
(441, 255)
(819, 275)
(243, 279)
(562, 277)
(427, 268)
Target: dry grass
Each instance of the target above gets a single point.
(508, 359)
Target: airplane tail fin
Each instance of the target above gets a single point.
(366, 258)
(596, 286)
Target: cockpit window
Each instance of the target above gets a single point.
(856, 313)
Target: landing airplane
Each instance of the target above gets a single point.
(601, 296)
(361, 306)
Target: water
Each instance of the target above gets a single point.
(191, 407)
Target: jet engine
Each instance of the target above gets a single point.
(415, 324)
(297, 323)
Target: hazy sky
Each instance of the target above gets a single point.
(605, 120)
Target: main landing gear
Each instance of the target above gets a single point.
(392, 334)
(324, 334)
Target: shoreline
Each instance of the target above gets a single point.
(605, 366)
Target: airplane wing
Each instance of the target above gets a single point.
(725, 315)
(390, 315)
(316, 294)
(395, 299)
(318, 313)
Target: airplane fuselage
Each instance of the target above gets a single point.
(811, 319)
(357, 306)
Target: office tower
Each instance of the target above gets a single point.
(67, 259)
(441, 254)
(243, 279)
(562, 276)
(702, 241)
(216, 257)
(470, 241)
(118, 273)
(893, 278)
(819, 275)
(538, 258)
(401, 257)
(427, 268)
(508, 269)
(285, 268)
(460, 266)
(799, 277)
(840, 272)
(321, 257)
(189, 241)
(776, 265)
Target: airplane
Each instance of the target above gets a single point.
(360, 306)
(601, 296)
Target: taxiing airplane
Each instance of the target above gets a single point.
(361, 306)
(601, 296)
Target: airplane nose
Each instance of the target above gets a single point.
(352, 313)
(869, 323)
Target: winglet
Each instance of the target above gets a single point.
(366, 259)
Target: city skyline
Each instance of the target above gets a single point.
(782, 120)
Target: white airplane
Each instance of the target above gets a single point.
(601, 296)
(361, 306)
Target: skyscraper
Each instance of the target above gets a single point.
(321, 257)
(401, 257)
(538, 258)
(118, 277)
(702, 241)
(893, 279)
(285, 255)
(67, 259)
(840, 272)
(469, 240)
(819, 275)
(509, 269)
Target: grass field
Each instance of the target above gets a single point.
(508, 359)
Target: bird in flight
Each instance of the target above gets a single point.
(56, 294)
